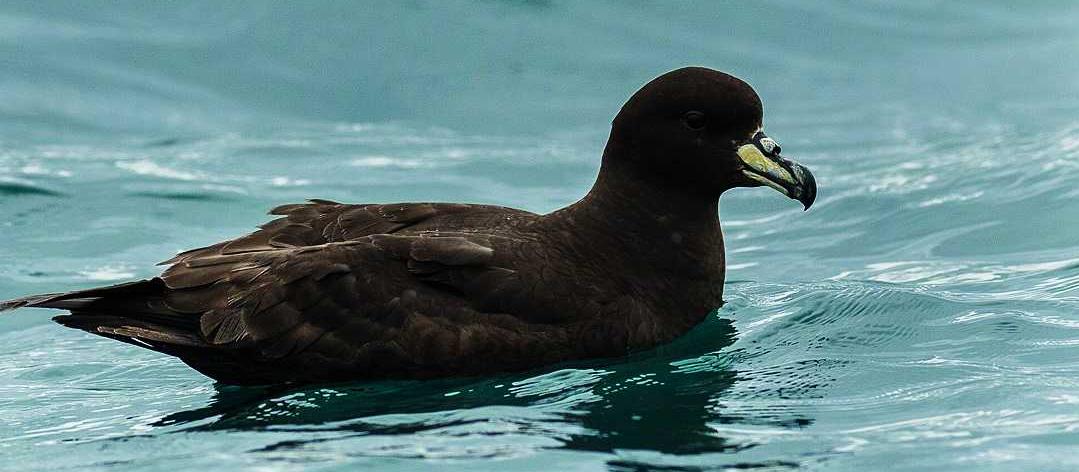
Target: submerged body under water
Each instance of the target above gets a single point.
(924, 315)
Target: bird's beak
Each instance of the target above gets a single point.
(764, 166)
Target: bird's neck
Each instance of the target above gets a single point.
(649, 240)
(635, 211)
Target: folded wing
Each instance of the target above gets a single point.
(326, 289)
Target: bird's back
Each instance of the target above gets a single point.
(327, 291)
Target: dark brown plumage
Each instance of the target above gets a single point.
(331, 292)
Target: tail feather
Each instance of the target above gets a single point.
(32, 300)
(129, 312)
(125, 329)
(80, 298)
(135, 313)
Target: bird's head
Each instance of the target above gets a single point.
(700, 130)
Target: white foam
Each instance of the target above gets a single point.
(151, 168)
(108, 273)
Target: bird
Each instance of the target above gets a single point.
(333, 292)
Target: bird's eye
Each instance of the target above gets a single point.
(694, 120)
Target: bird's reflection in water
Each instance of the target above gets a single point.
(652, 403)
(662, 400)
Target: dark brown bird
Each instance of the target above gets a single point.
(333, 292)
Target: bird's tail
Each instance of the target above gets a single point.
(71, 300)
(129, 312)
(135, 313)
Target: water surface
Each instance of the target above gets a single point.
(922, 316)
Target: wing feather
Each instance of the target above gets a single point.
(346, 284)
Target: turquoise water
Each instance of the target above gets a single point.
(924, 315)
